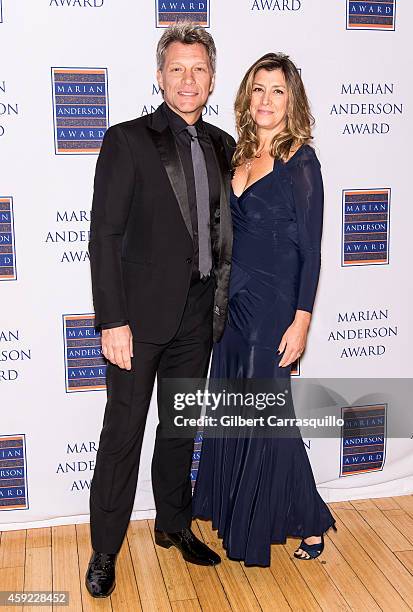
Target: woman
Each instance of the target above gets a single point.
(258, 491)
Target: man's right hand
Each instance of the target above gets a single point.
(117, 346)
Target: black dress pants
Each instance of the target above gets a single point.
(129, 394)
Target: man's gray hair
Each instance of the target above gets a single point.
(187, 33)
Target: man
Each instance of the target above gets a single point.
(160, 252)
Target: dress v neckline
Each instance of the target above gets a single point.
(265, 175)
(255, 182)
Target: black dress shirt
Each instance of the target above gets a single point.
(183, 142)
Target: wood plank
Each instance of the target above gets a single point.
(385, 503)
(12, 561)
(318, 580)
(38, 573)
(362, 504)
(401, 521)
(175, 571)
(384, 528)
(368, 556)
(405, 502)
(208, 587)
(345, 579)
(84, 549)
(341, 504)
(290, 581)
(65, 564)
(266, 588)
(36, 538)
(38, 565)
(126, 594)
(186, 605)
(148, 573)
(11, 579)
(13, 548)
(237, 588)
(406, 557)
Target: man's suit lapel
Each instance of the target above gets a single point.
(165, 143)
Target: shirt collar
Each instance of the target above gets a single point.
(177, 124)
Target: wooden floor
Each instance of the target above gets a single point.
(366, 565)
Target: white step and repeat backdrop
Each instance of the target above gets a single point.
(71, 68)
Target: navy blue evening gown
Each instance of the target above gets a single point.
(258, 491)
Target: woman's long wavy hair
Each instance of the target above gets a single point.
(299, 119)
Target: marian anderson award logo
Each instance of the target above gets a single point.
(13, 473)
(80, 109)
(371, 15)
(365, 227)
(7, 247)
(169, 12)
(363, 439)
(85, 367)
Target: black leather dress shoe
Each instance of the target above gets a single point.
(100, 575)
(192, 549)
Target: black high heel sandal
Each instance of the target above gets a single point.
(313, 550)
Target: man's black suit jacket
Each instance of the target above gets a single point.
(141, 246)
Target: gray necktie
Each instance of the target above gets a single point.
(202, 203)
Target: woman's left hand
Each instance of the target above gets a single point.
(294, 339)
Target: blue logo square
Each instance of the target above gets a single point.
(80, 109)
(85, 366)
(169, 12)
(363, 439)
(365, 227)
(13, 473)
(371, 15)
(7, 243)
